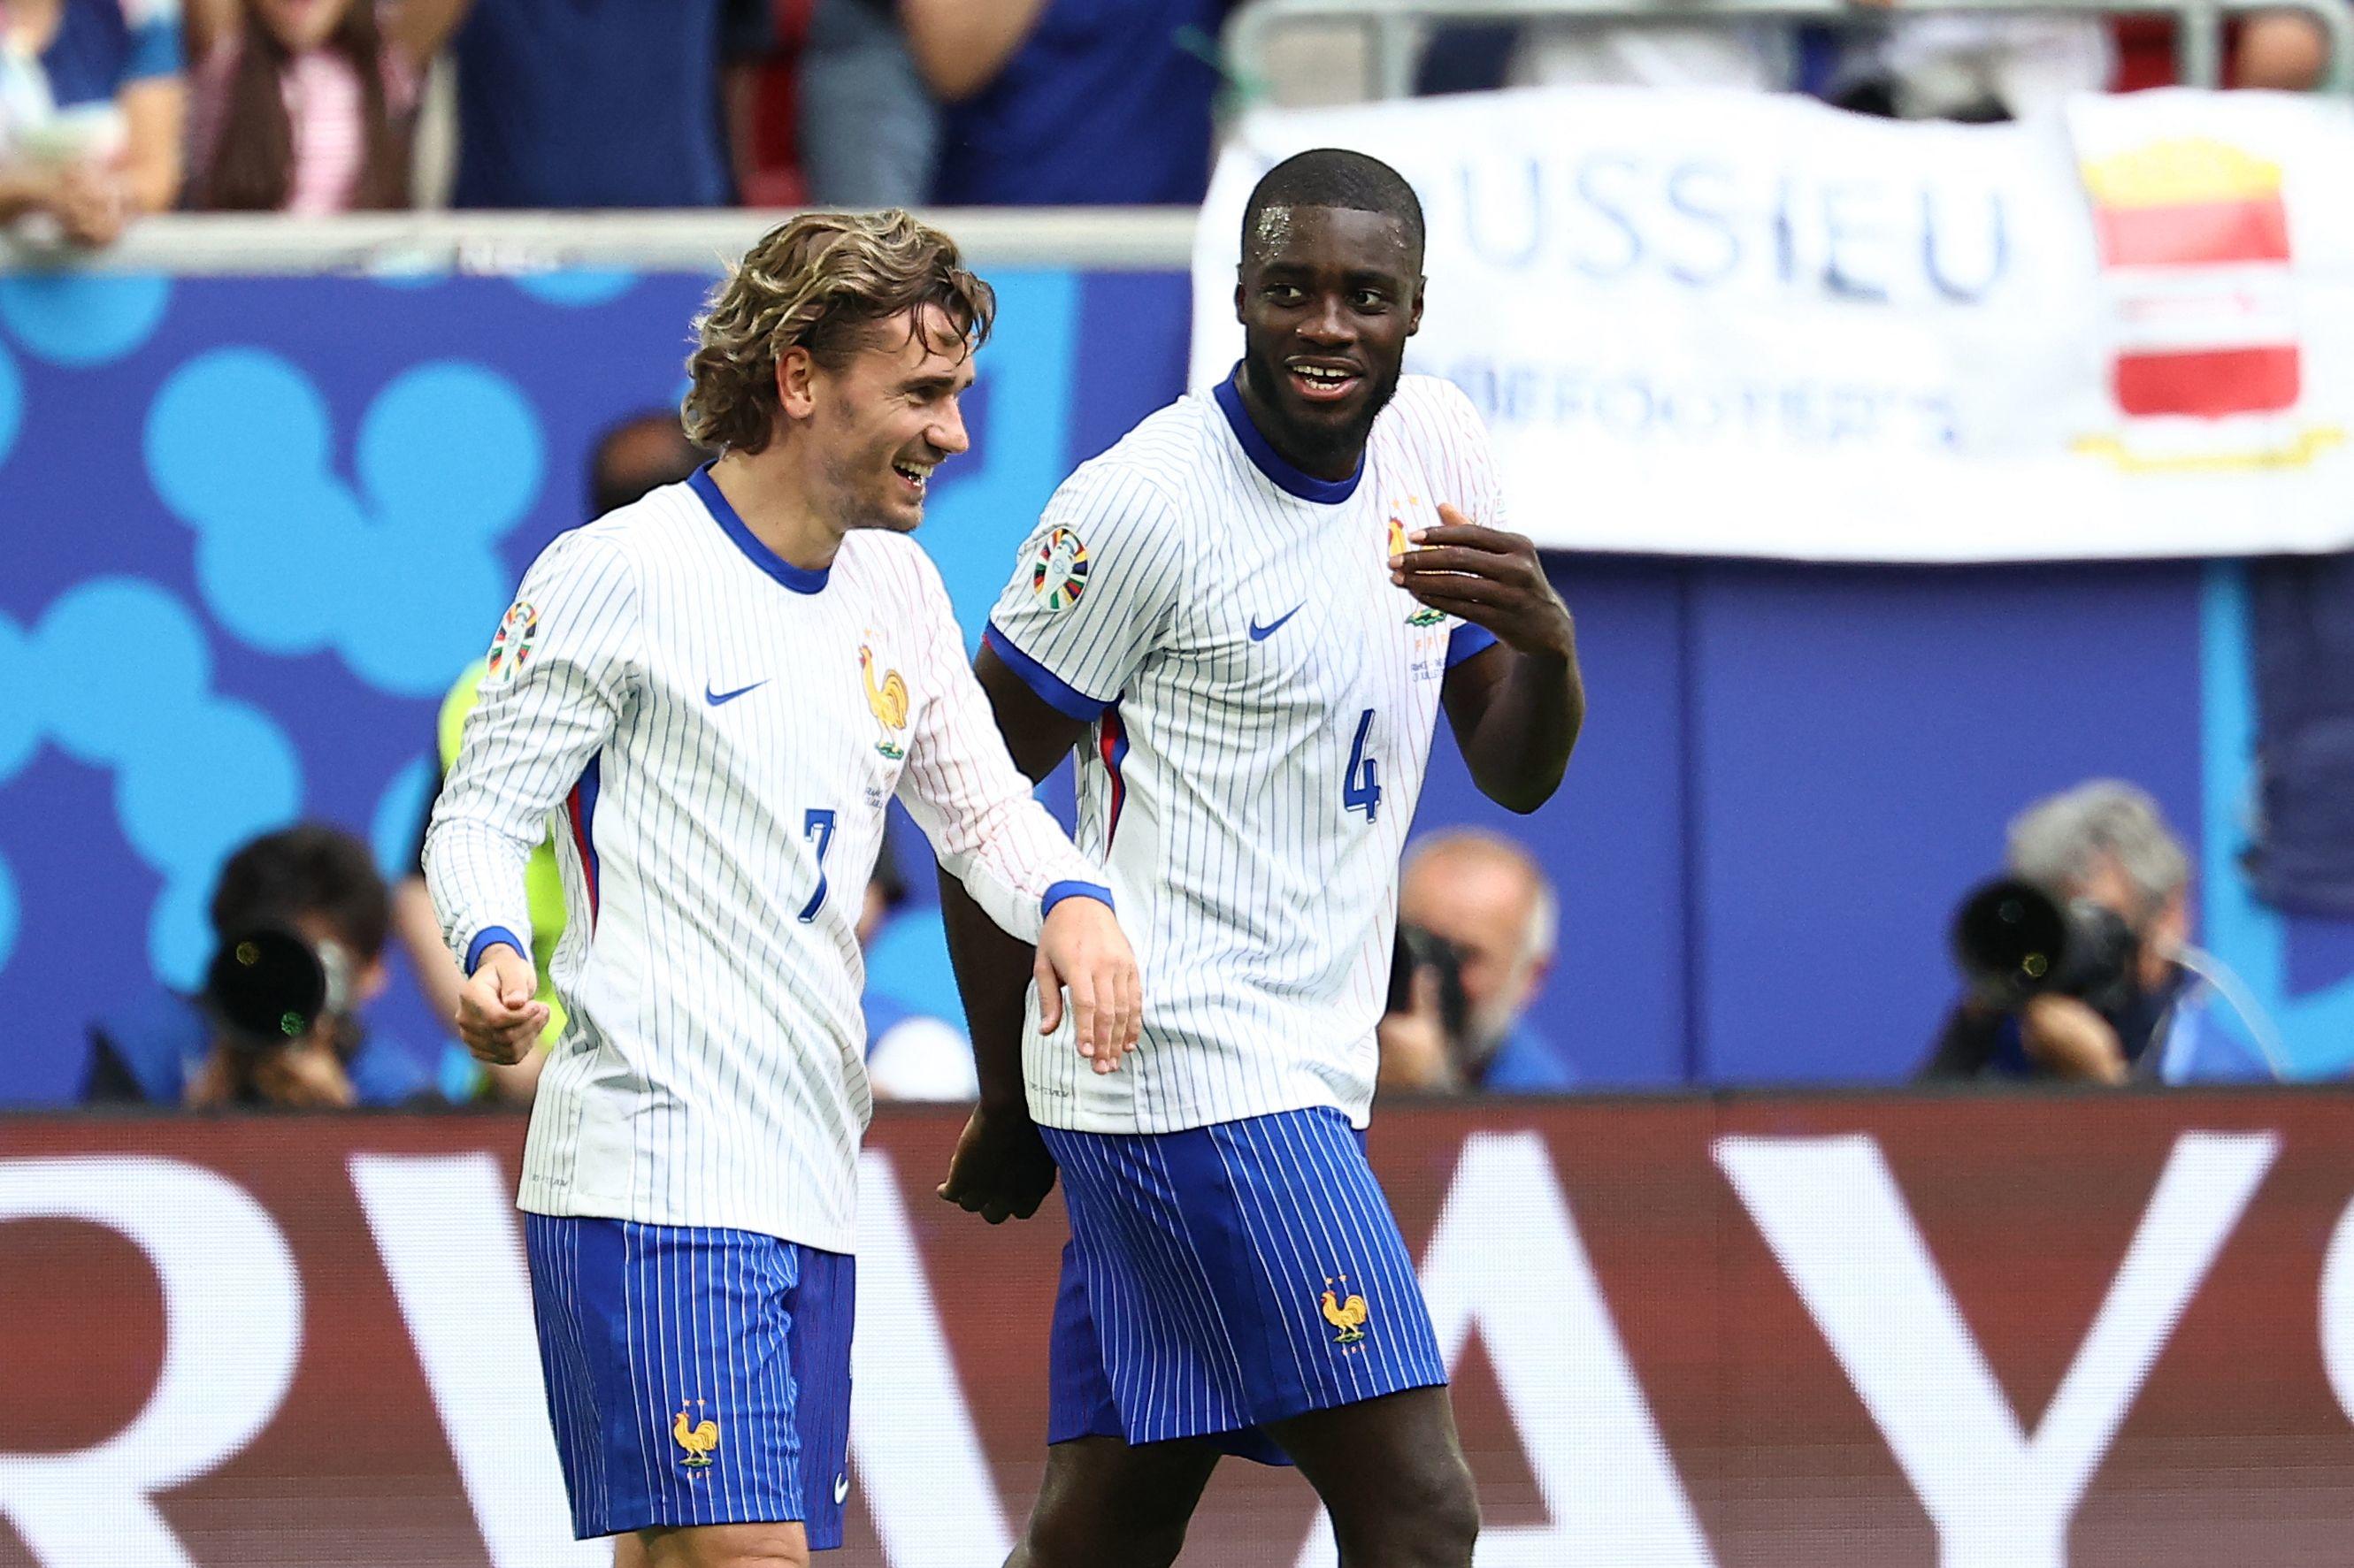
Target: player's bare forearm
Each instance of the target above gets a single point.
(1516, 717)
(1516, 708)
(992, 972)
(1001, 1168)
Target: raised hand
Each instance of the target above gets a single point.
(1489, 577)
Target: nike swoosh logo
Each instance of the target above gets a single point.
(1261, 633)
(841, 1488)
(717, 699)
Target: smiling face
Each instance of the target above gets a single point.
(299, 24)
(878, 426)
(1327, 298)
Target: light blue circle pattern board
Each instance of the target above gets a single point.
(337, 484)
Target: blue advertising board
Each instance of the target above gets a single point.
(253, 527)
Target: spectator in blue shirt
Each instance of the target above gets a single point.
(590, 103)
(320, 885)
(1069, 102)
(1487, 900)
(91, 99)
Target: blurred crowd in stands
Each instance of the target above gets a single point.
(110, 109)
(113, 108)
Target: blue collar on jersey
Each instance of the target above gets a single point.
(1270, 463)
(800, 579)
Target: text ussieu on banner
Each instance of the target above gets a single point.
(1738, 325)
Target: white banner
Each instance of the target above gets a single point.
(1725, 323)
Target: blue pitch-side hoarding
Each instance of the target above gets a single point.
(253, 527)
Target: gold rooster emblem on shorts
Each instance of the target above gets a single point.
(697, 1440)
(889, 702)
(1347, 1314)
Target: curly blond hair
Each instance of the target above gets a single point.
(820, 282)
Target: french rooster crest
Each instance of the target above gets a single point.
(1347, 1314)
(698, 1440)
(888, 702)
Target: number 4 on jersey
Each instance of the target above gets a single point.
(1361, 794)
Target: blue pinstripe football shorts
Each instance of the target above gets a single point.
(1226, 1277)
(695, 1376)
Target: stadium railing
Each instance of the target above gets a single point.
(1097, 239)
(1396, 28)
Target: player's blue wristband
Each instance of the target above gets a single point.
(1063, 890)
(490, 937)
(1466, 642)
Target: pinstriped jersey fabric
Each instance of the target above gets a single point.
(1263, 702)
(721, 733)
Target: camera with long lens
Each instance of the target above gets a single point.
(2013, 940)
(1418, 950)
(268, 987)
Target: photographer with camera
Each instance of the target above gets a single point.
(1476, 928)
(301, 919)
(2079, 962)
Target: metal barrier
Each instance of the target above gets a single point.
(1097, 240)
(1397, 26)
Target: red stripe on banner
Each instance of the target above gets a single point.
(576, 813)
(2210, 383)
(2193, 234)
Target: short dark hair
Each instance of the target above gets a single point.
(1336, 178)
(308, 869)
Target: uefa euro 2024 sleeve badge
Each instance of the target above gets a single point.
(510, 644)
(1058, 570)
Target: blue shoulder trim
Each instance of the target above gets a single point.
(1053, 690)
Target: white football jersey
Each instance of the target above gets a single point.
(722, 731)
(1263, 700)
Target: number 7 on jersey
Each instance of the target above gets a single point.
(817, 825)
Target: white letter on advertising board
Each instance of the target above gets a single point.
(2337, 1312)
(919, 1461)
(445, 1225)
(1506, 1256)
(232, 1331)
(1999, 1498)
